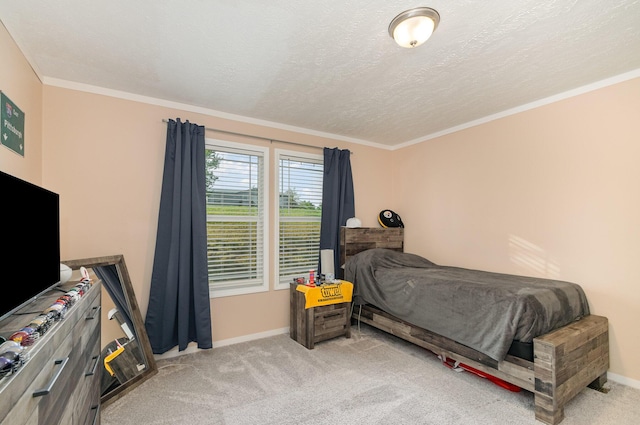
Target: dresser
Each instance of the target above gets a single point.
(60, 382)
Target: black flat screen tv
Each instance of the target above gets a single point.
(30, 241)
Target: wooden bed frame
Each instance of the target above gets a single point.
(565, 361)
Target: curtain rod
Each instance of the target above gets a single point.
(258, 137)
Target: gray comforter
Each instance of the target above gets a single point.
(482, 310)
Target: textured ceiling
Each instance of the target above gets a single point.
(330, 66)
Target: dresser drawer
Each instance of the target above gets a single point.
(85, 395)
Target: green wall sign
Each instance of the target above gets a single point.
(12, 125)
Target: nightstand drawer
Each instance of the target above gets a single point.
(330, 321)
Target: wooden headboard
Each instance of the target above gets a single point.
(356, 239)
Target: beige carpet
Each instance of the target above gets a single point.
(372, 378)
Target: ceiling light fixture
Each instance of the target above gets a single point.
(413, 27)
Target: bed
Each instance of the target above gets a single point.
(536, 334)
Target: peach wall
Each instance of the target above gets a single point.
(107, 166)
(551, 192)
(20, 84)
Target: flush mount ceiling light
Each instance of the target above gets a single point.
(413, 27)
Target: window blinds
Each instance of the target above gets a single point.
(235, 218)
(299, 214)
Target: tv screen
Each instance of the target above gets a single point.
(30, 240)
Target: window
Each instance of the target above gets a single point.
(299, 211)
(237, 219)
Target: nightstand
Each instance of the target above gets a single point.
(311, 325)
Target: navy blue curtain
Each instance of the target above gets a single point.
(179, 310)
(338, 203)
(111, 283)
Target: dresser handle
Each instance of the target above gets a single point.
(47, 390)
(95, 415)
(94, 313)
(95, 366)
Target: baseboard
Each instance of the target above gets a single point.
(623, 380)
(193, 347)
